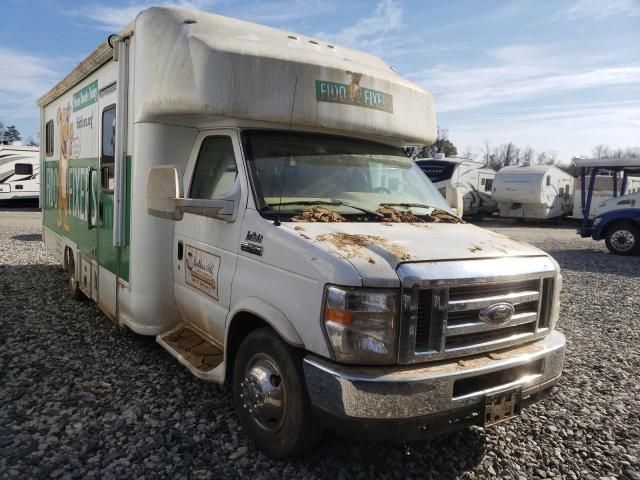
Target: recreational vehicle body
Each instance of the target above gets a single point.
(533, 192)
(473, 180)
(238, 192)
(19, 172)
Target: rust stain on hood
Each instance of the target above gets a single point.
(357, 245)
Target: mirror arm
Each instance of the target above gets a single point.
(219, 209)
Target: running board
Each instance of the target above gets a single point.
(201, 357)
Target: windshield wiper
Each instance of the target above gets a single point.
(407, 205)
(336, 203)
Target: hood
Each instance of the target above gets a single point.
(376, 249)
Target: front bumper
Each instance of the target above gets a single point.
(409, 402)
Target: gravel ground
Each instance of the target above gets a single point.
(80, 398)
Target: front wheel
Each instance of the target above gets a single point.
(623, 239)
(270, 396)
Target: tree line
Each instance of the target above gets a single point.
(10, 134)
(507, 154)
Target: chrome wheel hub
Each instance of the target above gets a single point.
(263, 393)
(622, 240)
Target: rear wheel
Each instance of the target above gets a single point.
(72, 282)
(623, 239)
(270, 396)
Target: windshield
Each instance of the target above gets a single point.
(293, 171)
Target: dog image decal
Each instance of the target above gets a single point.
(354, 87)
(65, 129)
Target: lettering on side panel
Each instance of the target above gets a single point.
(202, 270)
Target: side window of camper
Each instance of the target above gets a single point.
(548, 180)
(48, 138)
(216, 169)
(23, 169)
(108, 148)
(488, 184)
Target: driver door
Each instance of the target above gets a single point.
(206, 249)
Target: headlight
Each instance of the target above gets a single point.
(361, 324)
(597, 221)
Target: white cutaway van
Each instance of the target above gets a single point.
(241, 193)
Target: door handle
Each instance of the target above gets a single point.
(100, 211)
(180, 250)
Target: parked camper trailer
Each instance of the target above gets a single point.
(533, 192)
(473, 180)
(233, 190)
(602, 191)
(19, 173)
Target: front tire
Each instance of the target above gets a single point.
(623, 239)
(270, 396)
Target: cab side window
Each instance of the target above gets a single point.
(216, 169)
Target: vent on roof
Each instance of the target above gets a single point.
(189, 21)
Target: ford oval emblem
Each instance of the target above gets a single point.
(497, 313)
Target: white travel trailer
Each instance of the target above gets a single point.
(241, 193)
(19, 172)
(533, 192)
(473, 180)
(602, 191)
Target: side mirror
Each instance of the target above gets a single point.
(163, 189)
(165, 199)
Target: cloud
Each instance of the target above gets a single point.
(568, 129)
(24, 79)
(517, 74)
(387, 18)
(276, 13)
(113, 18)
(600, 9)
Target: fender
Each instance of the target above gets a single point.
(270, 314)
(631, 215)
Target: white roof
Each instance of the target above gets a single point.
(445, 159)
(533, 169)
(18, 149)
(607, 162)
(192, 67)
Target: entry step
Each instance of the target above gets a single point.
(192, 349)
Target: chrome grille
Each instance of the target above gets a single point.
(441, 318)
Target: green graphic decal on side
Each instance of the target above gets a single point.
(88, 220)
(353, 94)
(86, 96)
(72, 214)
